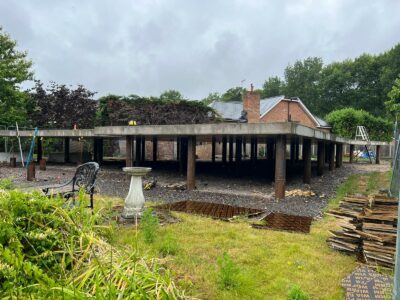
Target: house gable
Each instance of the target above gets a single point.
(279, 113)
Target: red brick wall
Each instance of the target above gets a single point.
(251, 104)
(280, 114)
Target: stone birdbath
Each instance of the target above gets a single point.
(134, 202)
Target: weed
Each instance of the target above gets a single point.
(228, 272)
(149, 225)
(296, 293)
(6, 184)
(169, 245)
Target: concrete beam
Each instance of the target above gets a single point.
(307, 161)
(191, 163)
(280, 167)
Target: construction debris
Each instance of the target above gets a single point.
(300, 193)
(279, 221)
(179, 186)
(368, 228)
(214, 210)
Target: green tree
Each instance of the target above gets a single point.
(273, 86)
(344, 123)
(211, 97)
(15, 68)
(303, 81)
(233, 94)
(172, 95)
(393, 104)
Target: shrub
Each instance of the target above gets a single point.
(6, 184)
(296, 293)
(228, 272)
(344, 123)
(47, 251)
(169, 245)
(149, 225)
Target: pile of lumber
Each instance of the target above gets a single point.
(368, 228)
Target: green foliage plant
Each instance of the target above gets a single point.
(228, 275)
(296, 293)
(6, 184)
(149, 224)
(168, 245)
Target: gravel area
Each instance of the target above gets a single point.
(254, 193)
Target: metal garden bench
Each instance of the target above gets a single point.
(84, 178)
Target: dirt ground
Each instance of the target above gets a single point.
(254, 193)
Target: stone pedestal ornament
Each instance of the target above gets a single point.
(134, 202)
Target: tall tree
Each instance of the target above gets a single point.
(61, 107)
(15, 68)
(273, 86)
(233, 94)
(211, 97)
(172, 95)
(302, 80)
(393, 104)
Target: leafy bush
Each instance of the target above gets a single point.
(6, 184)
(149, 225)
(228, 272)
(296, 293)
(344, 123)
(169, 245)
(49, 251)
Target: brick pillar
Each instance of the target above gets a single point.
(129, 151)
(331, 156)
(224, 140)
(307, 161)
(320, 158)
(351, 156)
(378, 154)
(191, 163)
(280, 167)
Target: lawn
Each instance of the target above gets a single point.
(270, 262)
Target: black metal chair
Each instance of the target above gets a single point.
(85, 177)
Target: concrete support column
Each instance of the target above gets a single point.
(191, 163)
(66, 150)
(292, 150)
(270, 149)
(280, 167)
(143, 152)
(213, 149)
(224, 141)
(129, 151)
(307, 161)
(320, 158)
(183, 158)
(230, 149)
(238, 152)
(155, 147)
(378, 154)
(338, 163)
(39, 149)
(351, 157)
(331, 156)
(138, 151)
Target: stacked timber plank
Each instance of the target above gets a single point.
(368, 228)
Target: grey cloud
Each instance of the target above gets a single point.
(197, 47)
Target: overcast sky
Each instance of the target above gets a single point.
(145, 47)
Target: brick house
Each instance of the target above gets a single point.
(269, 110)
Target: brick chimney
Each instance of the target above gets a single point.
(251, 105)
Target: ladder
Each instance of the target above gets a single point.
(362, 134)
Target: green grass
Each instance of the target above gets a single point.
(271, 263)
